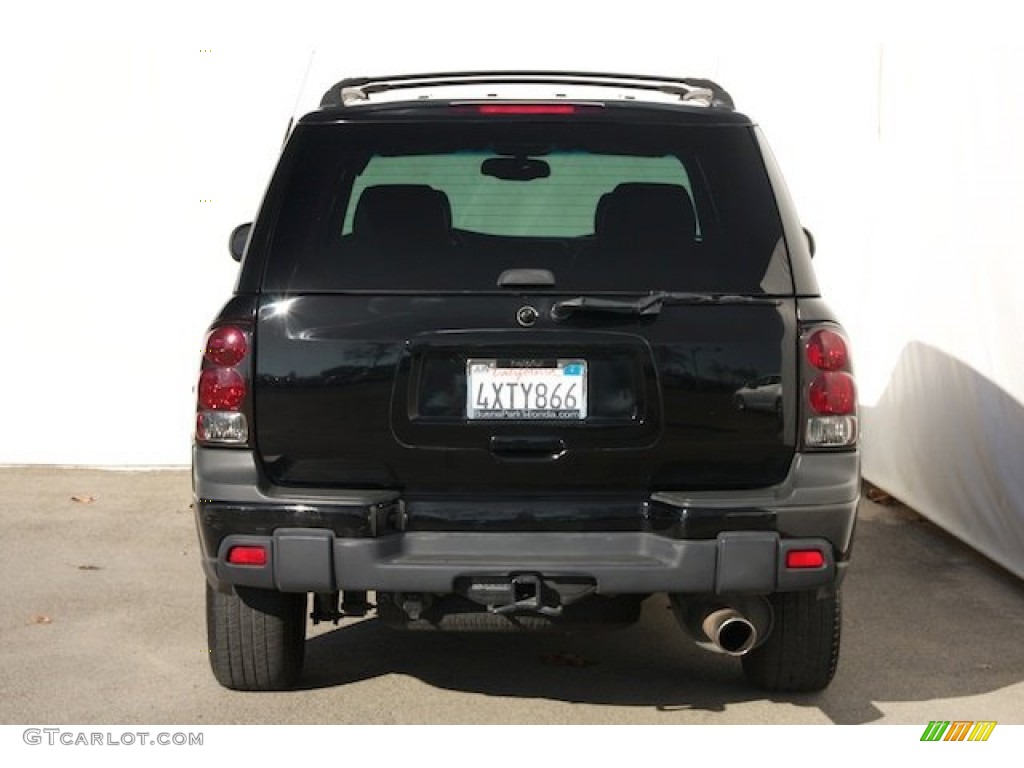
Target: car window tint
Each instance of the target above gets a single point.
(561, 205)
(603, 206)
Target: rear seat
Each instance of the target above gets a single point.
(642, 224)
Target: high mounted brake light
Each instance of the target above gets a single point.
(527, 109)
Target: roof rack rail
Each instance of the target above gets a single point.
(359, 90)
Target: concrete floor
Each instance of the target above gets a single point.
(101, 621)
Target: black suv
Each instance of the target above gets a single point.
(480, 371)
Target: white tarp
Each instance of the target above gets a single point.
(939, 332)
(910, 172)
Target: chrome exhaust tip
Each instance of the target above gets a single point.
(729, 631)
(730, 624)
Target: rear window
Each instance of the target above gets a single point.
(560, 205)
(450, 206)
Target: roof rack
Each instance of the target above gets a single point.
(696, 91)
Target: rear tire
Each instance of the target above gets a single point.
(257, 638)
(802, 651)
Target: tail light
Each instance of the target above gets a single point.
(830, 393)
(224, 388)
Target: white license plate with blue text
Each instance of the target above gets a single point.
(526, 389)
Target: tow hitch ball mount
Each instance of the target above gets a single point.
(520, 592)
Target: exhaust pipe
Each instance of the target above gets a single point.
(733, 626)
(729, 631)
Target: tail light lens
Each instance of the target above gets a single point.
(226, 346)
(826, 351)
(830, 392)
(223, 387)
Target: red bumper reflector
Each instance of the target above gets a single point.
(804, 558)
(247, 556)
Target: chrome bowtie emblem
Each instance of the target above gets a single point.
(527, 316)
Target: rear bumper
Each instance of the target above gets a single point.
(325, 541)
(315, 560)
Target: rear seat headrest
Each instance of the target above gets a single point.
(403, 213)
(646, 213)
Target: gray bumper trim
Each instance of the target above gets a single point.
(312, 560)
(819, 498)
(814, 480)
(232, 475)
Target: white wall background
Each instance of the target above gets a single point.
(133, 141)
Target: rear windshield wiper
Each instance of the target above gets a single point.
(650, 304)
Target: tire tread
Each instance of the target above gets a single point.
(256, 638)
(802, 652)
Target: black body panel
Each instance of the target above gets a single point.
(360, 391)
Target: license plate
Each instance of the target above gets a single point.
(526, 390)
